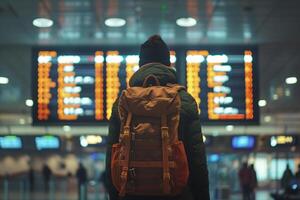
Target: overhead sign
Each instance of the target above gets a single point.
(47, 142)
(91, 140)
(283, 140)
(10, 142)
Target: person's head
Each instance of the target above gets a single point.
(154, 50)
(244, 165)
(251, 166)
(287, 166)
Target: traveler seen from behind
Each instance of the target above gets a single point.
(155, 149)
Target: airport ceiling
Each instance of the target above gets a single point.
(273, 25)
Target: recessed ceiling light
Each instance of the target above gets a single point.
(42, 22)
(29, 102)
(229, 128)
(3, 80)
(262, 103)
(186, 22)
(115, 22)
(291, 80)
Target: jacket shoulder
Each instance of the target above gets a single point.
(189, 107)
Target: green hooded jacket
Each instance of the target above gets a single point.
(189, 132)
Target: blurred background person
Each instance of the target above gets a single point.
(31, 178)
(47, 173)
(253, 182)
(245, 181)
(297, 175)
(286, 178)
(81, 175)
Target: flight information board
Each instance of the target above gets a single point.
(78, 85)
(222, 83)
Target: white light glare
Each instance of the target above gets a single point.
(135, 68)
(248, 58)
(4, 80)
(222, 68)
(132, 59)
(267, 118)
(221, 79)
(291, 80)
(68, 59)
(186, 22)
(29, 102)
(42, 22)
(67, 128)
(44, 59)
(217, 58)
(203, 138)
(99, 59)
(114, 59)
(273, 141)
(194, 59)
(229, 128)
(262, 103)
(172, 58)
(22, 121)
(115, 22)
(68, 68)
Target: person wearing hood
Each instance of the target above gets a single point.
(155, 60)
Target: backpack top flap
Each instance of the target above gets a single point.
(150, 101)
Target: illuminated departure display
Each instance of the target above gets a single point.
(222, 84)
(79, 85)
(66, 89)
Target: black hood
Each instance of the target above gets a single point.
(164, 74)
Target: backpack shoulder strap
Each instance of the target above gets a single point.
(165, 154)
(126, 138)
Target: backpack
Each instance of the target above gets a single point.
(149, 159)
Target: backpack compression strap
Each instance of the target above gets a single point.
(165, 154)
(124, 173)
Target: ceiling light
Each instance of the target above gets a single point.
(186, 22)
(42, 22)
(29, 102)
(67, 128)
(3, 80)
(229, 128)
(291, 80)
(115, 22)
(262, 103)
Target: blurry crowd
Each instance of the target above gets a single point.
(290, 181)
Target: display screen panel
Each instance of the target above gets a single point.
(78, 85)
(10, 142)
(47, 142)
(283, 141)
(223, 83)
(243, 142)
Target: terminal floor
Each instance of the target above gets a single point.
(260, 195)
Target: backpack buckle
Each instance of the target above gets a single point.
(132, 172)
(164, 132)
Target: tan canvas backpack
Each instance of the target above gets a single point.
(149, 159)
